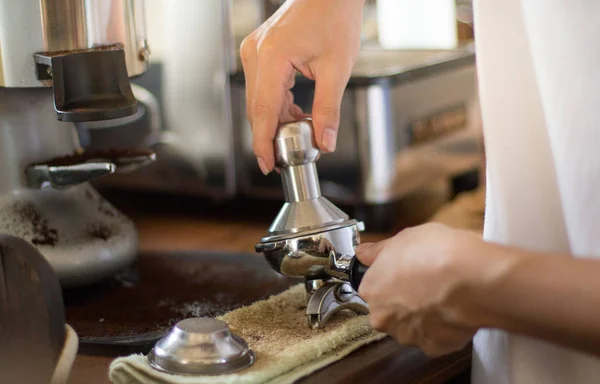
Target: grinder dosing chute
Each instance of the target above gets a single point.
(311, 237)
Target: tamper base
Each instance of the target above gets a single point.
(306, 215)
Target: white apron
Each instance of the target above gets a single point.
(539, 75)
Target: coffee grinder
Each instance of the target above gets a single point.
(64, 64)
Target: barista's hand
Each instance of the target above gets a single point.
(318, 38)
(418, 285)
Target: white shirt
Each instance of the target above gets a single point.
(539, 76)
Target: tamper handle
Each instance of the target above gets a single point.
(357, 271)
(296, 154)
(294, 144)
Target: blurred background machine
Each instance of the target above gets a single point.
(66, 75)
(408, 116)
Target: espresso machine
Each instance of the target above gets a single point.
(65, 69)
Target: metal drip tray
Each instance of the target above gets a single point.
(132, 311)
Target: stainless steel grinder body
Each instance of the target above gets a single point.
(72, 66)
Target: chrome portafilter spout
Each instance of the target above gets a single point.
(311, 238)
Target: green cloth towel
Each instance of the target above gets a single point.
(276, 330)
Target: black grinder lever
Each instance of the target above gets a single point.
(356, 271)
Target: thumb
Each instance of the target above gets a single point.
(368, 252)
(329, 89)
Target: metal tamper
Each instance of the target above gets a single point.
(311, 237)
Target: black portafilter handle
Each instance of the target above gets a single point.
(357, 271)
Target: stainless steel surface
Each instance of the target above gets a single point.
(295, 144)
(300, 183)
(305, 209)
(189, 74)
(59, 177)
(322, 253)
(376, 63)
(329, 299)
(311, 286)
(295, 154)
(375, 142)
(64, 176)
(201, 346)
(65, 25)
(129, 163)
(30, 134)
(311, 237)
(303, 216)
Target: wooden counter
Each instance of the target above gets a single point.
(185, 224)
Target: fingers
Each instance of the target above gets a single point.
(248, 56)
(268, 78)
(285, 114)
(249, 62)
(269, 101)
(265, 108)
(371, 283)
(329, 89)
(297, 112)
(293, 110)
(368, 252)
(308, 36)
(434, 338)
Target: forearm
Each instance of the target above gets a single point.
(550, 297)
